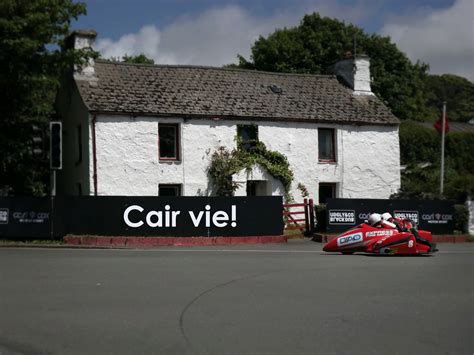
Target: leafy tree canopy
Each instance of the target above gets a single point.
(318, 42)
(32, 58)
(458, 93)
(137, 59)
(420, 149)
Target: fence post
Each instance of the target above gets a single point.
(311, 215)
(306, 215)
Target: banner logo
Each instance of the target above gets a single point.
(342, 217)
(437, 218)
(349, 239)
(412, 215)
(3, 215)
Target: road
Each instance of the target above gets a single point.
(265, 299)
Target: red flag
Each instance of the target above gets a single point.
(439, 125)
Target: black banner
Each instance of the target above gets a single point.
(29, 217)
(22, 217)
(169, 216)
(434, 216)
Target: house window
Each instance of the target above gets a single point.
(169, 190)
(326, 190)
(248, 135)
(326, 144)
(168, 136)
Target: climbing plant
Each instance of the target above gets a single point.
(225, 163)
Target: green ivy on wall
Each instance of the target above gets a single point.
(225, 163)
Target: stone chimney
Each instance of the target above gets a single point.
(83, 39)
(356, 73)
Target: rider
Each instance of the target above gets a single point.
(377, 220)
(401, 227)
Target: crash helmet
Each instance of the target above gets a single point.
(386, 216)
(374, 219)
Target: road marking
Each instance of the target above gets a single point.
(151, 250)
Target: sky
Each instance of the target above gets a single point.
(212, 32)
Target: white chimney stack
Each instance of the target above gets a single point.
(356, 73)
(83, 39)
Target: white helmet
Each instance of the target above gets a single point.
(374, 219)
(386, 216)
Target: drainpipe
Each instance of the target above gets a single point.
(94, 154)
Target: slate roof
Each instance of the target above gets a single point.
(206, 92)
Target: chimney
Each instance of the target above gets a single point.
(356, 73)
(83, 39)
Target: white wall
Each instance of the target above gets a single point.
(470, 222)
(127, 157)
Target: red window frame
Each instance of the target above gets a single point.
(333, 142)
(177, 142)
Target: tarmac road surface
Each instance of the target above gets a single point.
(264, 299)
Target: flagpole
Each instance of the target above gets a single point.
(443, 128)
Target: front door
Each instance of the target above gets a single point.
(257, 188)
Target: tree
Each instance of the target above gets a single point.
(458, 93)
(32, 59)
(319, 42)
(137, 59)
(420, 153)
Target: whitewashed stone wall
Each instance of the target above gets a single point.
(470, 223)
(127, 157)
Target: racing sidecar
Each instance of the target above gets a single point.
(368, 239)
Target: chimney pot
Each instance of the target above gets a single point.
(83, 39)
(356, 74)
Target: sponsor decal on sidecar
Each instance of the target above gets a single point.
(349, 239)
(380, 233)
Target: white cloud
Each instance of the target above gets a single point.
(443, 38)
(146, 41)
(217, 35)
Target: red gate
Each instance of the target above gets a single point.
(299, 216)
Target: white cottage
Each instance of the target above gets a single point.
(147, 130)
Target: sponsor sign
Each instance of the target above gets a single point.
(349, 239)
(435, 216)
(412, 215)
(344, 217)
(169, 216)
(3, 215)
(25, 217)
(141, 216)
(30, 216)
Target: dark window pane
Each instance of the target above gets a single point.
(169, 190)
(248, 135)
(326, 191)
(326, 144)
(168, 141)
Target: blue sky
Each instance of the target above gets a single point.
(212, 32)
